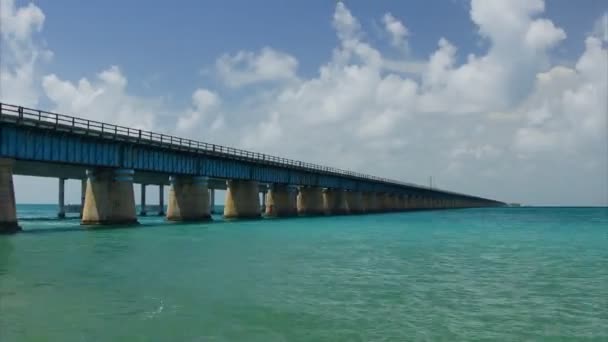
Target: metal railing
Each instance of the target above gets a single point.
(39, 118)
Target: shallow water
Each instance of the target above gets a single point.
(476, 274)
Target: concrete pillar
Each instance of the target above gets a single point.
(334, 202)
(329, 201)
(264, 192)
(407, 202)
(61, 212)
(310, 201)
(83, 192)
(342, 202)
(385, 202)
(211, 201)
(8, 208)
(372, 202)
(242, 199)
(355, 202)
(188, 199)
(142, 203)
(365, 202)
(161, 200)
(394, 199)
(280, 201)
(109, 197)
(400, 202)
(417, 202)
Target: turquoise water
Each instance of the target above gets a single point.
(510, 274)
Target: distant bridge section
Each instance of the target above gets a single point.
(110, 158)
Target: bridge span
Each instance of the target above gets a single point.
(109, 159)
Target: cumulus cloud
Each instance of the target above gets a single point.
(244, 67)
(507, 122)
(21, 55)
(205, 104)
(104, 98)
(360, 115)
(568, 108)
(396, 29)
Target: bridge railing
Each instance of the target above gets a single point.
(39, 118)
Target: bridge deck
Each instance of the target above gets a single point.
(77, 127)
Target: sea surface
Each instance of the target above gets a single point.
(507, 274)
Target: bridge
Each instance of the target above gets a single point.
(109, 159)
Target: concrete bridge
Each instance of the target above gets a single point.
(109, 159)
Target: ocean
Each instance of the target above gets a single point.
(502, 274)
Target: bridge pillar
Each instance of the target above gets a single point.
(409, 202)
(355, 202)
(310, 201)
(400, 202)
(280, 201)
(83, 193)
(142, 204)
(394, 202)
(188, 199)
(109, 197)
(242, 199)
(385, 202)
(211, 200)
(329, 201)
(365, 203)
(334, 201)
(8, 209)
(372, 202)
(61, 212)
(264, 193)
(161, 200)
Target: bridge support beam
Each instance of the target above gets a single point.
(280, 201)
(242, 199)
(109, 198)
(142, 204)
(61, 211)
(8, 209)
(188, 199)
(161, 200)
(310, 201)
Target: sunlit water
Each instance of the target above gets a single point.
(461, 275)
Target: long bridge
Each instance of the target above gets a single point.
(109, 159)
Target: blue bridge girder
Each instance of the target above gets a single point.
(67, 144)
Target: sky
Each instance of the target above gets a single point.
(501, 99)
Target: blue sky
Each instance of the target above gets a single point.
(165, 46)
(503, 99)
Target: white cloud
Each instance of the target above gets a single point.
(347, 26)
(246, 68)
(205, 104)
(357, 114)
(600, 28)
(104, 99)
(568, 108)
(20, 55)
(397, 31)
(507, 122)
